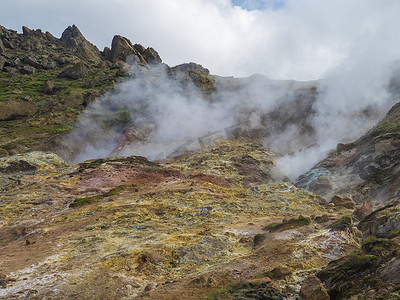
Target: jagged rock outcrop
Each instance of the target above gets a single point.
(122, 48)
(151, 56)
(73, 39)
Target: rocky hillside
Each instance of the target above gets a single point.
(368, 169)
(211, 216)
(45, 83)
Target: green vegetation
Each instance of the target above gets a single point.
(386, 127)
(56, 112)
(343, 223)
(395, 295)
(359, 261)
(375, 245)
(115, 191)
(246, 290)
(300, 221)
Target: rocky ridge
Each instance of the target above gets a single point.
(45, 83)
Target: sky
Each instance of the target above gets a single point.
(282, 39)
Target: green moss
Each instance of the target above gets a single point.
(64, 128)
(359, 261)
(395, 295)
(370, 239)
(370, 280)
(385, 127)
(87, 200)
(343, 223)
(394, 234)
(300, 221)
(246, 290)
(83, 201)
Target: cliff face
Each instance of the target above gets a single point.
(211, 218)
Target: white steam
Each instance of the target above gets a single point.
(351, 101)
(169, 114)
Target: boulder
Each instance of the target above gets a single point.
(14, 109)
(322, 185)
(30, 60)
(48, 64)
(363, 211)
(91, 97)
(16, 62)
(344, 201)
(48, 87)
(74, 99)
(105, 64)
(312, 289)
(28, 70)
(151, 56)
(384, 222)
(77, 71)
(121, 48)
(11, 70)
(74, 39)
(281, 272)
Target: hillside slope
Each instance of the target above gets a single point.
(207, 214)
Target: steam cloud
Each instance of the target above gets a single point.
(170, 114)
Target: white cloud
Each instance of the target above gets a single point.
(303, 39)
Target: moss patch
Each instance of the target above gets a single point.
(292, 223)
(115, 191)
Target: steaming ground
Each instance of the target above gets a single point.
(351, 101)
(166, 115)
